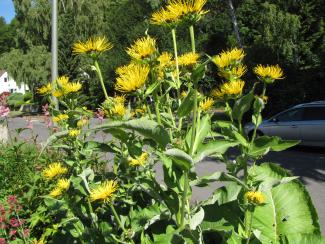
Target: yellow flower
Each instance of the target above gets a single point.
(165, 59)
(62, 81)
(104, 192)
(63, 184)
(265, 99)
(142, 48)
(139, 161)
(72, 87)
(234, 73)
(53, 170)
(255, 197)
(231, 88)
(183, 94)
(82, 122)
(123, 69)
(74, 132)
(133, 78)
(269, 73)
(56, 192)
(142, 110)
(92, 45)
(118, 109)
(58, 93)
(119, 99)
(206, 104)
(176, 10)
(188, 59)
(45, 89)
(229, 58)
(60, 117)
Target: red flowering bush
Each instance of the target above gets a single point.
(12, 227)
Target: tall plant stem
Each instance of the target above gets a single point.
(248, 223)
(99, 72)
(184, 200)
(155, 95)
(176, 63)
(118, 220)
(192, 38)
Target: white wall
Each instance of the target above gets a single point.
(10, 85)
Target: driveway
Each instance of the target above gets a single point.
(307, 163)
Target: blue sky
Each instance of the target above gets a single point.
(7, 10)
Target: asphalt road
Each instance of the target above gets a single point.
(307, 163)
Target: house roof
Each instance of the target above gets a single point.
(2, 72)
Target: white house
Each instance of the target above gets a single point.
(7, 84)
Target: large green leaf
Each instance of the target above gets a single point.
(202, 130)
(181, 158)
(145, 127)
(303, 239)
(262, 145)
(288, 209)
(242, 105)
(212, 148)
(187, 105)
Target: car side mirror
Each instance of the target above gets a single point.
(275, 120)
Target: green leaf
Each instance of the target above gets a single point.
(262, 145)
(187, 105)
(213, 147)
(181, 158)
(288, 209)
(145, 127)
(152, 88)
(198, 73)
(196, 219)
(53, 138)
(242, 105)
(303, 239)
(203, 129)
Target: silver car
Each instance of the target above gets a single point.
(305, 122)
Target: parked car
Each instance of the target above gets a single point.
(305, 122)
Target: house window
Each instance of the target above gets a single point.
(6, 79)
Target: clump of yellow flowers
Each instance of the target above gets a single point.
(54, 170)
(63, 87)
(139, 161)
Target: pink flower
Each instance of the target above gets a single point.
(45, 110)
(3, 226)
(26, 232)
(100, 115)
(12, 233)
(15, 222)
(4, 111)
(2, 241)
(12, 200)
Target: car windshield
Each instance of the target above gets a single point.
(314, 113)
(291, 115)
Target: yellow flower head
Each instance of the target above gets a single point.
(141, 110)
(165, 59)
(206, 104)
(57, 93)
(118, 109)
(139, 161)
(176, 10)
(255, 197)
(133, 78)
(231, 88)
(60, 117)
(74, 132)
(123, 69)
(72, 87)
(119, 99)
(142, 48)
(62, 81)
(47, 89)
(234, 73)
(92, 45)
(104, 192)
(269, 73)
(229, 58)
(53, 170)
(56, 192)
(63, 184)
(188, 59)
(183, 94)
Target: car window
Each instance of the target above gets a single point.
(314, 113)
(291, 115)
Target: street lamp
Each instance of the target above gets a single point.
(54, 48)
